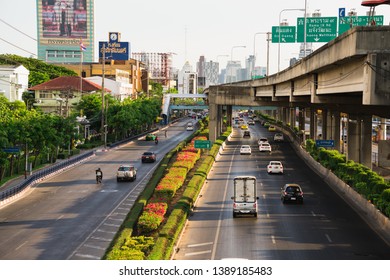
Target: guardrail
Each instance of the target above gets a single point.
(42, 174)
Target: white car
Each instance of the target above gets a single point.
(275, 167)
(245, 149)
(278, 137)
(262, 140)
(265, 147)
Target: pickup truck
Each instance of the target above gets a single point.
(126, 173)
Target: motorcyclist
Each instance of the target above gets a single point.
(156, 140)
(99, 175)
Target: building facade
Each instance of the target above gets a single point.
(207, 72)
(65, 30)
(13, 81)
(157, 64)
(187, 80)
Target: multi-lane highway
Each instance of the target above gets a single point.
(70, 216)
(324, 227)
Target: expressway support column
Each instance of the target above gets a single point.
(366, 139)
(313, 123)
(213, 113)
(336, 131)
(229, 115)
(292, 117)
(324, 124)
(359, 136)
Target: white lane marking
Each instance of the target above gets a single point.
(200, 244)
(327, 237)
(198, 253)
(101, 238)
(21, 245)
(94, 247)
(273, 239)
(60, 217)
(106, 231)
(111, 225)
(88, 256)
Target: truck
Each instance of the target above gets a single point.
(245, 196)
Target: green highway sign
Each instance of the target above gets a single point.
(202, 144)
(318, 29)
(345, 23)
(287, 34)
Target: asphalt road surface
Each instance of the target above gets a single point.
(70, 216)
(323, 228)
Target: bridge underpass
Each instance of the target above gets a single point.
(348, 78)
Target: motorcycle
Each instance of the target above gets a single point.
(156, 141)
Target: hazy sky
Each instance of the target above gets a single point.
(187, 28)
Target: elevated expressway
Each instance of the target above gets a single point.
(349, 76)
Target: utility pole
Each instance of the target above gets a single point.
(103, 103)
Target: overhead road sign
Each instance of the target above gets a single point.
(202, 144)
(346, 23)
(11, 150)
(318, 29)
(287, 34)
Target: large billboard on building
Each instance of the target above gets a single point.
(65, 30)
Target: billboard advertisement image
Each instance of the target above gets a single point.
(65, 18)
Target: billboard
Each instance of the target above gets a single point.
(114, 49)
(66, 18)
(63, 27)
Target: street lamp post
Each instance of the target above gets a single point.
(280, 19)
(231, 59)
(254, 49)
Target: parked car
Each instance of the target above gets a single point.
(265, 147)
(271, 128)
(262, 140)
(278, 137)
(245, 149)
(148, 157)
(275, 166)
(150, 137)
(126, 173)
(291, 192)
(247, 133)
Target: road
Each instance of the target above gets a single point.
(70, 216)
(323, 228)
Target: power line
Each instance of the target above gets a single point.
(17, 46)
(18, 30)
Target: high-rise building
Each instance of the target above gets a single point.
(207, 72)
(65, 30)
(158, 65)
(187, 80)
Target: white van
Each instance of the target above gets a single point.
(245, 196)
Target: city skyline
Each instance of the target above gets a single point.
(210, 28)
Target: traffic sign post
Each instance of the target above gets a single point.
(325, 143)
(346, 23)
(287, 34)
(318, 29)
(12, 150)
(202, 144)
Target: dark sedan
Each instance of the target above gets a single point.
(148, 157)
(291, 192)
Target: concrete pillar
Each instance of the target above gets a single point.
(301, 119)
(324, 124)
(229, 115)
(219, 120)
(213, 113)
(353, 138)
(366, 141)
(313, 124)
(337, 131)
(293, 117)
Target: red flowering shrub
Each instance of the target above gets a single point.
(152, 217)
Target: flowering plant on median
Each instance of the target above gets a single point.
(152, 217)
